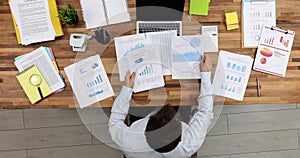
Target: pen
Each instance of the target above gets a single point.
(258, 86)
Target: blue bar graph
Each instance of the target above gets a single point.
(244, 69)
(236, 67)
(228, 88)
(97, 81)
(146, 70)
(233, 78)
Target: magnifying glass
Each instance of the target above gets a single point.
(36, 80)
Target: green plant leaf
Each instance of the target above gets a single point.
(68, 15)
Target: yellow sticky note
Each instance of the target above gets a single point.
(232, 20)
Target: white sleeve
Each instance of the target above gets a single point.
(193, 137)
(116, 126)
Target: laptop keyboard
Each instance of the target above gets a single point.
(158, 27)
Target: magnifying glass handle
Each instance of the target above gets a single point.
(39, 89)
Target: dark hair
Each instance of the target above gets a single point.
(163, 131)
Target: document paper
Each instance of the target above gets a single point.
(89, 81)
(40, 58)
(274, 50)
(232, 74)
(164, 41)
(124, 45)
(33, 20)
(146, 63)
(187, 53)
(188, 50)
(255, 15)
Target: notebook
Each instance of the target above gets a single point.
(34, 84)
(98, 13)
(54, 18)
(157, 15)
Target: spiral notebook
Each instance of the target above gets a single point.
(98, 13)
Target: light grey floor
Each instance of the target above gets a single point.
(242, 131)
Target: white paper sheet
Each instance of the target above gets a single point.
(40, 58)
(124, 45)
(255, 15)
(232, 74)
(187, 53)
(164, 42)
(33, 20)
(274, 49)
(146, 63)
(89, 81)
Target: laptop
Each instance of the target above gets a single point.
(159, 15)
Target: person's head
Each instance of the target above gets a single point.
(163, 131)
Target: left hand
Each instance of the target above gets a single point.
(129, 80)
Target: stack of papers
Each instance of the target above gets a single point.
(33, 21)
(126, 44)
(178, 56)
(232, 20)
(34, 84)
(44, 60)
(199, 7)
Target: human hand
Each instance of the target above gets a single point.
(204, 65)
(129, 80)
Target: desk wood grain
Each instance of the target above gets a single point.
(273, 89)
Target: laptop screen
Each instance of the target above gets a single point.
(159, 10)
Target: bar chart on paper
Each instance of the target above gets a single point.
(149, 76)
(98, 80)
(285, 42)
(146, 70)
(229, 88)
(232, 74)
(236, 67)
(255, 14)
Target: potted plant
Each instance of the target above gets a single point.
(68, 15)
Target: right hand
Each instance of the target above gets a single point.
(129, 80)
(204, 65)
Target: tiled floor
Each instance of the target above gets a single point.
(242, 131)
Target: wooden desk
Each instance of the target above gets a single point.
(273, 89)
